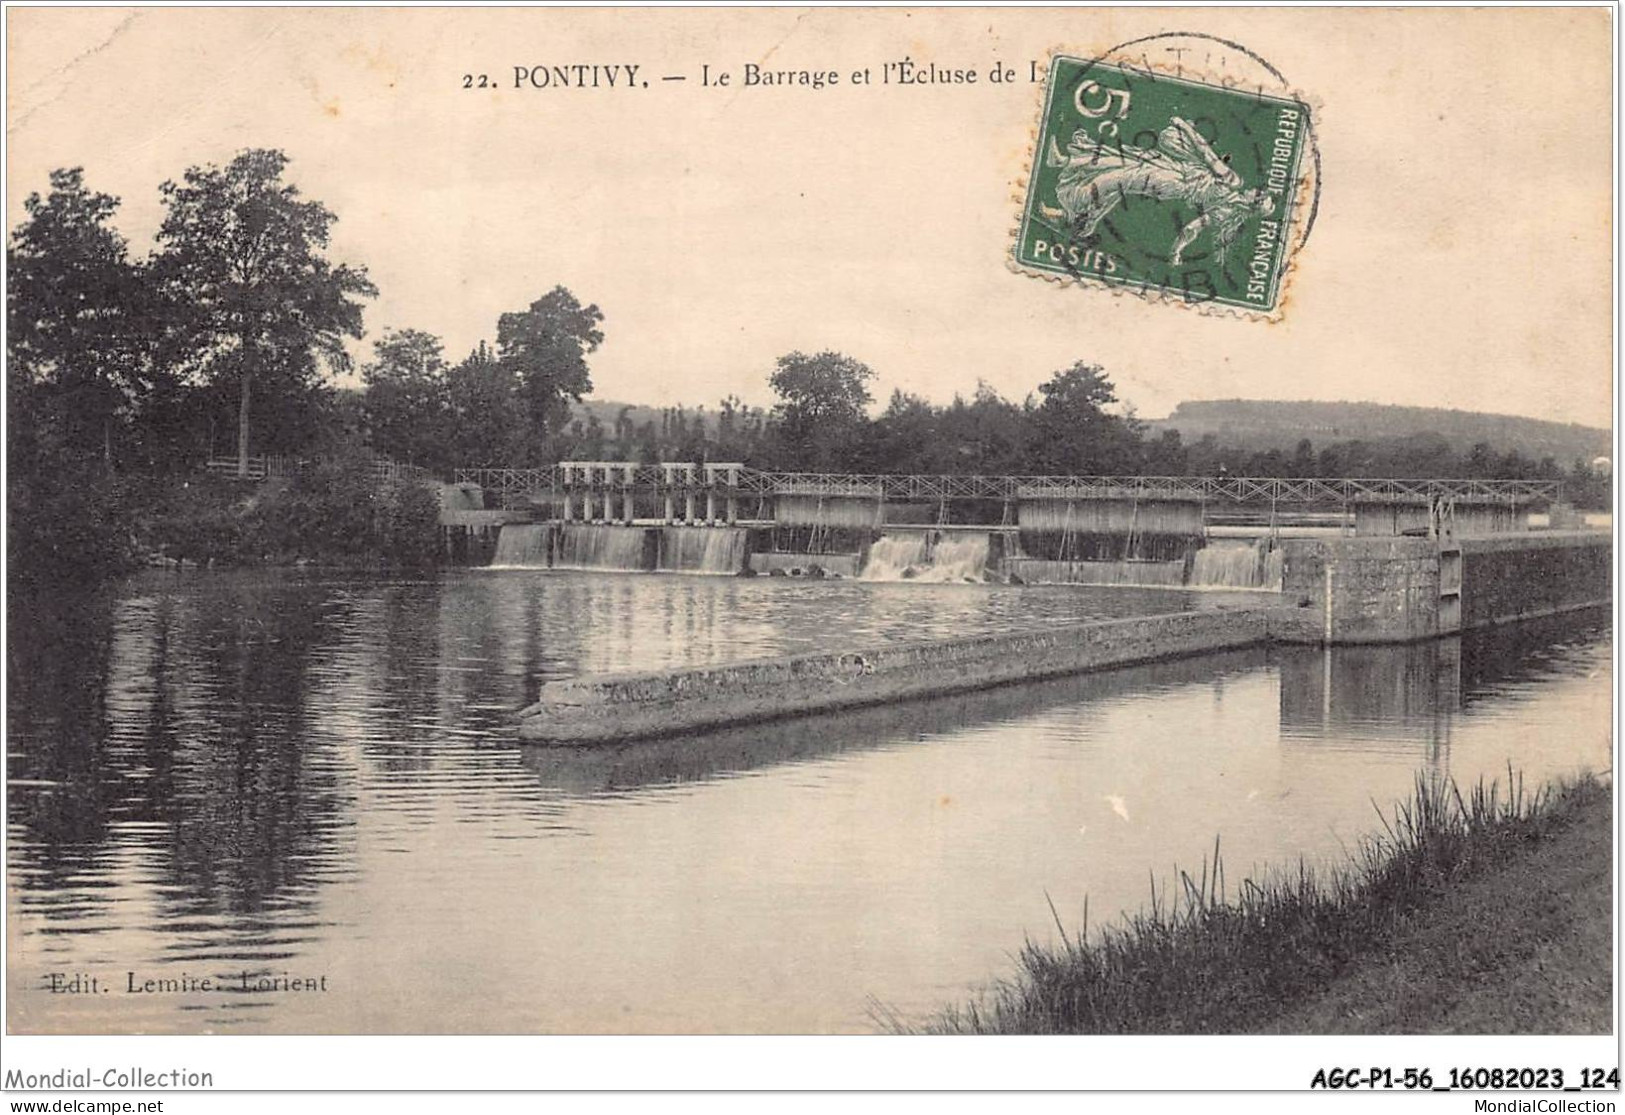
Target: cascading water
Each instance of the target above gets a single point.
(718, 550)
(903, 555)
(959, 557)
(521, 546)
(895, 557)
(910, 556)
(1237, 564)
(588, 546)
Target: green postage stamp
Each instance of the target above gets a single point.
(1164, 185)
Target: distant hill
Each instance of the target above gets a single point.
(1262, 425)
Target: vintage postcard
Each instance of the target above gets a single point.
(573, 521)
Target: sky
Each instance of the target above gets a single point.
(1461, 255)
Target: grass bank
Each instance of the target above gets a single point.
(1483, 912)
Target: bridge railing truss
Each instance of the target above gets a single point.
(522, 484)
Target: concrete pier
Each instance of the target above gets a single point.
(1335, 592)
(1343, 591)
(1517, 577)
(612, 707)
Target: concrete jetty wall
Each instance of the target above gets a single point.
(1514, 577)
(1335, 592)
(628, 706)
(1343, 591)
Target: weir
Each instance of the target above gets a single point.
(1410, 559)
(715, 550)
(930, 556)
(1237, 563)
(621, 549)
(1132, 574)
(580, 546)
(1393, 561)
(523, 546)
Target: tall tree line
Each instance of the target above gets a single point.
(125, 373)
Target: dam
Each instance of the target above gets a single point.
(1315, 561)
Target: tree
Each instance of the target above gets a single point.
(646, 449)
(739, 431)
(821, 405)
(1073, 433)
(1081, 391)
(987, 434)
(1167, 456)
(77, 369)
(906, 437)
(591, 446)
(484, 417)
(73, 315)
(545, 349)
(1588, 485)
(692, 441)
(242, 254)
(408, 401)
(1303, 458)
(625, 429)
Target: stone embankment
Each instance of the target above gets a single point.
(1335, 592)
(610, 707)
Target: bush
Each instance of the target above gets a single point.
(68, 521)
(328, 513)
(331, 511)
(200, 519)
(409, 524)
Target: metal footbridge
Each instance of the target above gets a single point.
(518, 486)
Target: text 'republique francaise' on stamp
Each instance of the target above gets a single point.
(1168, 184)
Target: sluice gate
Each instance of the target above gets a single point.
(606, 547)
(1143, 530)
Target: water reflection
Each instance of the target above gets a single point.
(1355, 695)
(225, 774)
(1364, 694)
(733, 751)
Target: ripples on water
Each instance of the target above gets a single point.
(229, 774)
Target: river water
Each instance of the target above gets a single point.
(257, 779)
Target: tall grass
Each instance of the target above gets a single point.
(1200, 959)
